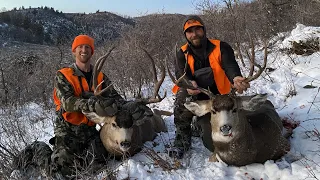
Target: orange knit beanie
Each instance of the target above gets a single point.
(83, 39)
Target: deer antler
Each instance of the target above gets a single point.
(157, 83)
(253, 64)
(183, 81)
(96, 69)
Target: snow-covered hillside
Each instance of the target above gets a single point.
(293, 86)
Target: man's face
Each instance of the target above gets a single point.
(83, 53)
(194, 35)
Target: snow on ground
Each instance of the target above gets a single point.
(287, 79)
(285, 87)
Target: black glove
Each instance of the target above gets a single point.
(87, 94)
(137, 110)
(106, 107)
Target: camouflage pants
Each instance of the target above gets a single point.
(183, 119)
(75, 146)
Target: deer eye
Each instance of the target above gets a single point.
(114, 125)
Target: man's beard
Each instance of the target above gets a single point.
(196, 41)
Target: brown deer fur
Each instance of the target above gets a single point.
(255, 133)
(114, 132)
(121, 134)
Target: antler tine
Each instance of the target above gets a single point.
(207, 92)
(96, 69)
(253, 55)
(173, 79)
(261, 68)
(183, 81)
(157, 83)
(154, 71)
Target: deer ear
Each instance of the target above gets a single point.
(199, 108)
(92, 116)
(255, 102)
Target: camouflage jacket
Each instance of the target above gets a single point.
(72, 103)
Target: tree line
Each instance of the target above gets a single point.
(240, 23)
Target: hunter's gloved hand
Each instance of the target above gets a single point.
(88, 104)
(88, 101)
(87, 94)
(106, 107)
(137, 110)
(101, 106)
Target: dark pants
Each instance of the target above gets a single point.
(75, 146)
(183, 118)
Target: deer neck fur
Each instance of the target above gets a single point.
(241, 144)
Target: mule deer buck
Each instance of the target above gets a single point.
(121, 134)
(239, 129)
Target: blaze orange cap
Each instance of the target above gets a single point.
(83, 39)
(191, 23)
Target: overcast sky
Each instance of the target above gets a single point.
(123, 7)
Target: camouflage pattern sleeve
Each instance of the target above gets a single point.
(65, 93)
(111, 92)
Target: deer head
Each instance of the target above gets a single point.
(227, 113)
(120, 128)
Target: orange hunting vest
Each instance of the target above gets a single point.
(75, 118)
(222, 82)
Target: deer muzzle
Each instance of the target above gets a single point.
(125, 145)
(226, 130)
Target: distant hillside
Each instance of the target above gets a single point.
(47, 26)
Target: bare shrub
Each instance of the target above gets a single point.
(27, 75)
(305, 48)
(231, 21)
(17, 130)
(128, 66)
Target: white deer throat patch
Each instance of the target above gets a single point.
(222, 118)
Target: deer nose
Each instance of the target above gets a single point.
(125, 144)
(225, 129)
